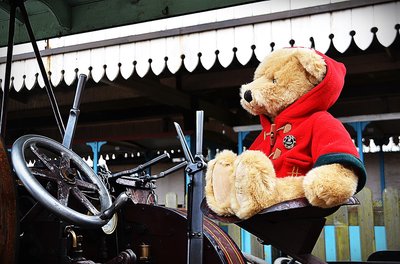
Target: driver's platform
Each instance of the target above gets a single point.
(292, 226)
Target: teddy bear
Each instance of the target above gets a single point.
(302, 150)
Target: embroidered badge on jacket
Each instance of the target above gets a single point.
(289, 141)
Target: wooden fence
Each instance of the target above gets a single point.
(351, 233)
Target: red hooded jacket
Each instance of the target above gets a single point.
(305, 135)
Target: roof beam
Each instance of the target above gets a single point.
(173, 97)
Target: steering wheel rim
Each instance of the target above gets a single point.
(43, 196)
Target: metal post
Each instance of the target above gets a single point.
(7, 79)
(199, 133)
(195, 216)
(241, 136)
(382, 169)
(47, 83)
(96, 146)
(359, 127)
(245, 236)
(195, 170)
(187, 177)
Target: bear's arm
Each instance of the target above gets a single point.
(331, 143)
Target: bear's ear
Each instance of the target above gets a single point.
(313, 63)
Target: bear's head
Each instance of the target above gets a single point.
(282, 78)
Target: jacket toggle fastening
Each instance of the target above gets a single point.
(272, 134)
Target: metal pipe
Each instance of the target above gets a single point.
(199, 132)
(253, 259)
(74, 238)
(195, 197)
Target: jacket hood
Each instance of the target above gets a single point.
(321, 97)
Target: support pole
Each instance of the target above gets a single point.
(241, 136)
(382, 169)
(245, 236)
(47, 83)
(359, 127)
(187, 178)
(7, 79)
(195, 197)
(96, 146)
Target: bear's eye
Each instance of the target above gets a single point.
(273, 80)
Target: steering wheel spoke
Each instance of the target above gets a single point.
(42, 157)
(86, 185)
(63, 194)
(72, 176)
(84, 201)
(44, 174)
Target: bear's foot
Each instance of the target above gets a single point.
(255, 182)
(219, 182)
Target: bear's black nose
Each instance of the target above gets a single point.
(247, 96)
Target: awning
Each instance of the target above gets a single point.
(223, 36)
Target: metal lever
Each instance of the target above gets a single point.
(74, 113)
(142, 166)
(169, 171)
(185, 147)
(120, 201)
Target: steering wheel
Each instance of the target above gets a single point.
(64, 183)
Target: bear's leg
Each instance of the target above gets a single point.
(289, 188)
(255, 183)
(219, 182)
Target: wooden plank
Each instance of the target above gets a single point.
(319, 248)
(392, 218)
(257, 249)
(366, 222)
(341, 221)
(342, 243)
(341, 216)
(234, 233)
(329, 220)
(353, 215)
